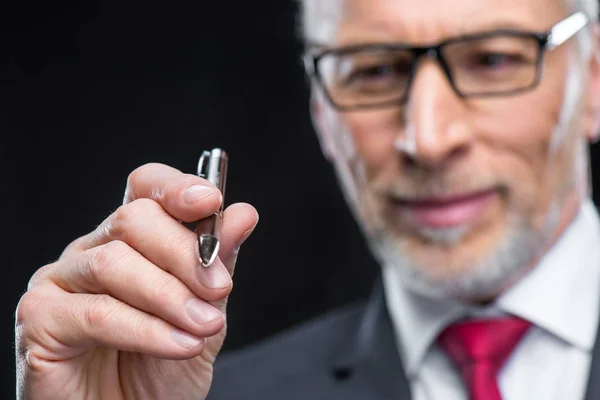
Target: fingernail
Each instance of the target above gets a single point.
(200, 312)
(197, 192)
(214, 277)
(186, 340)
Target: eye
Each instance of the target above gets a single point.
(376, 71)
(494, 61)
(383, 73)
(370, 72)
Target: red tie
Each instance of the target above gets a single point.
(479, 349)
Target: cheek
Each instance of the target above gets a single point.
(370, 158)
(518, 135)
(374, 134)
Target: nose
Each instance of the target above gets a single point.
(436, 130)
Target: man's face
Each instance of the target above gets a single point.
(461, 194)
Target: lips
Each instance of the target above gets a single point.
(445, 211)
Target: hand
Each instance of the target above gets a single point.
(127, 312)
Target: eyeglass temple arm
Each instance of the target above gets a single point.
(307, 61)
(566, 28)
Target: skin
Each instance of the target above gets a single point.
(102, 321)
(109, 318)
(523, 147)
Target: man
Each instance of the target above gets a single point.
(459, 133)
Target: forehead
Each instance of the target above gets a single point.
(339, 22)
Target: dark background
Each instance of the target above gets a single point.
(90, 91)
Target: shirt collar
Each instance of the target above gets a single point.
(560, 295)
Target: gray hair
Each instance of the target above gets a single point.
(589, 7)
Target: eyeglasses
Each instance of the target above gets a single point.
(495, 63)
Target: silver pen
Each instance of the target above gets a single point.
(212, 166)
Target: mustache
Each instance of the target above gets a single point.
(429, 185)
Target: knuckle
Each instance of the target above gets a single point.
(100, 312)
(130, 211)
(136, 179)
(28, 306)
(138, 174)
(146, 329)
(103, 313)
(125, 213)
(105, 257)
(39, 276)
(123, 219)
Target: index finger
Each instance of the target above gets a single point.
(185, 197)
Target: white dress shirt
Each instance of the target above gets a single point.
(560, 296)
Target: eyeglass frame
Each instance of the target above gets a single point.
(547, 41)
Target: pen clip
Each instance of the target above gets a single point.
(203, 164)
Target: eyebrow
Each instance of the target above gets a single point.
(381, 33)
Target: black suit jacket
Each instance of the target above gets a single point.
(349, 354)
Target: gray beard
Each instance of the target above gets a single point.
(486, 277)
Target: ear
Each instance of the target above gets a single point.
(319, 120)
(592, 107)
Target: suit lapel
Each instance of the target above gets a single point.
(369, 359)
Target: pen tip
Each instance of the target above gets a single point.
(209, 248)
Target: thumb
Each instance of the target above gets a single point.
(239, 221)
